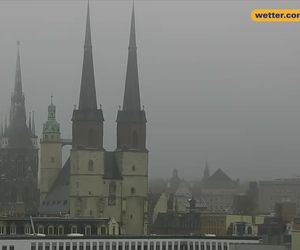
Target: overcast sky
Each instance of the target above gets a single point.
(215, 85)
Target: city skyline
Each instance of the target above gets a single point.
(251, 124)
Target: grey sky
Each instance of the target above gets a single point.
(215, 85)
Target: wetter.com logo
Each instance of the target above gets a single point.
(275, 15)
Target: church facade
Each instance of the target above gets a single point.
(19, 194)
(96, 183)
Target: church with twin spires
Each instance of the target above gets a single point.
(94, 182)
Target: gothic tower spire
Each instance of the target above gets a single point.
(88, 100)
(33, 124)
(131, 100)
(131, 120)
(18, 132)
(88, 119)
(18, 77)
(17, 109)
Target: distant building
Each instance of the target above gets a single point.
(177, 197)
(278, 191)
(202, 223)
(96, 183)
(218, 192)
(18, 157)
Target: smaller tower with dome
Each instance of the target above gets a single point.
(51, 152)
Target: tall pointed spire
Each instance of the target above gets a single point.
(18, 76)
(131, 100)
(132, 39)
(88, 36)
(17, 110)
(18, 132)
(33, 124)
(131, 120)
(88, 100)
(87, 120)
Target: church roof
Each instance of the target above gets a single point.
(219, 179)
(111, 168)
(57, 200)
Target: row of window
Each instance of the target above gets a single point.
(132, 246)
(50, 230)
(58, 202)
(8, 248)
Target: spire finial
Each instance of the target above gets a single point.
(51, 99)
(88, 38)
(132, 39)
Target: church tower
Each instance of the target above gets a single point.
(131, 147)
(18, 157)
(87, 154)
(51, 153)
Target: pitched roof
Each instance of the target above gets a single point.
(111, 168)
(219, 180)
(57, 200)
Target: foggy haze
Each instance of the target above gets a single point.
(215, 85)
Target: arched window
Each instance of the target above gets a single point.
(135, 141)
(40, 229)
(20, 164)
(92, 138)
(60, 230)
(112, 188)
(2, 230)
(88, 230)
(112, 193)
(103, 231)
(133, 168)
(132, 190)
(74, 229)
(51, 230)
(91, 165)
(249, 230)
(13, 229)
